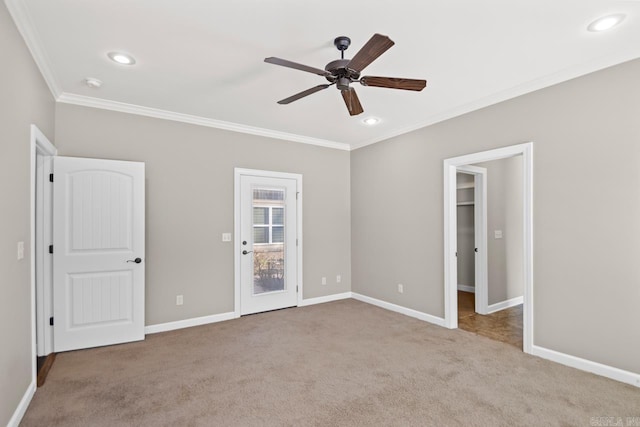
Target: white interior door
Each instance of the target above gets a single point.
(268, 239)
(98, 252)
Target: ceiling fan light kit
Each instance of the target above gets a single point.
(342, 72)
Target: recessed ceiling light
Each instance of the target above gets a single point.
(606, 22)
(121, 58)
(371, 121)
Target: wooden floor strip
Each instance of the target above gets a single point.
(44, 371)
(504, 325)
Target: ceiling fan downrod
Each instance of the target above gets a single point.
(342, 43)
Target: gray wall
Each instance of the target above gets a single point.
(25, 100)
(189, 174)
(505, 262)
(586, 210)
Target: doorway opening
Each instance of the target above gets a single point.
(496, 302)
(490, 280)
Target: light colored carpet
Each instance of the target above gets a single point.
(343, 363)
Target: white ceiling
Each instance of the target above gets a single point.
(201, 61)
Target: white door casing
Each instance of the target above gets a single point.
(98, 235)
(450, 246)
(250, 296)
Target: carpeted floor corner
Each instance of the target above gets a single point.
(343, 363)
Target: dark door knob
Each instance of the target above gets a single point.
(246, 252)
(137, 260)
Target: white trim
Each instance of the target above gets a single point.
(513, 92)
(38, 143)
(238, 172)
(505, 304)
(467, 288)
(326, 298)
(465, 185)
(399, 309)
(187, 323)
(20, 14)
(87, 101)
(587, 365)
(450, 244)
(23, 405)
(44, 263)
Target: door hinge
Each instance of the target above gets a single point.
(296, 288)
(456, 253)
(50, 249)
(296, 242)
(51, 321)
(50, 177)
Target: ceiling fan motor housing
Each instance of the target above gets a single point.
(340, 74)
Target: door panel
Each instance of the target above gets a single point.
(98, 232)
(268, 227)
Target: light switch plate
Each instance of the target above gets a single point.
(498, 234)
(226, 237)
(20, 250)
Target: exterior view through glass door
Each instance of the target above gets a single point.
(268, 264)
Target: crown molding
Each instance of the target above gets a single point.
(519, 90)
(20, 14)
(87, 101)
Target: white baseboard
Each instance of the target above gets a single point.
(587, 365)
(187, 323)
(399, 309)
(467, 288)
(22, 406)
(327, 298)
(505, 304)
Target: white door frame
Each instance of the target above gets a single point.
(238, 172)
(40, 297)
(480, 235)
(450, 236)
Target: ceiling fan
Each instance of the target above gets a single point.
(342, 72)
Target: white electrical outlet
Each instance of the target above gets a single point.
(400, 288)
(20, 250)
(226, 237)
(324, 280)
(338, 278)
(179, 300)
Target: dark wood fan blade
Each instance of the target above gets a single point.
(296, 66)
(303, 94)
(351, 100)
(376, 46)
(394, 83)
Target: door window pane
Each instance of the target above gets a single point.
(277, 234)
(260, 215)
(278, 216)
(268, 240)
(260, 235)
